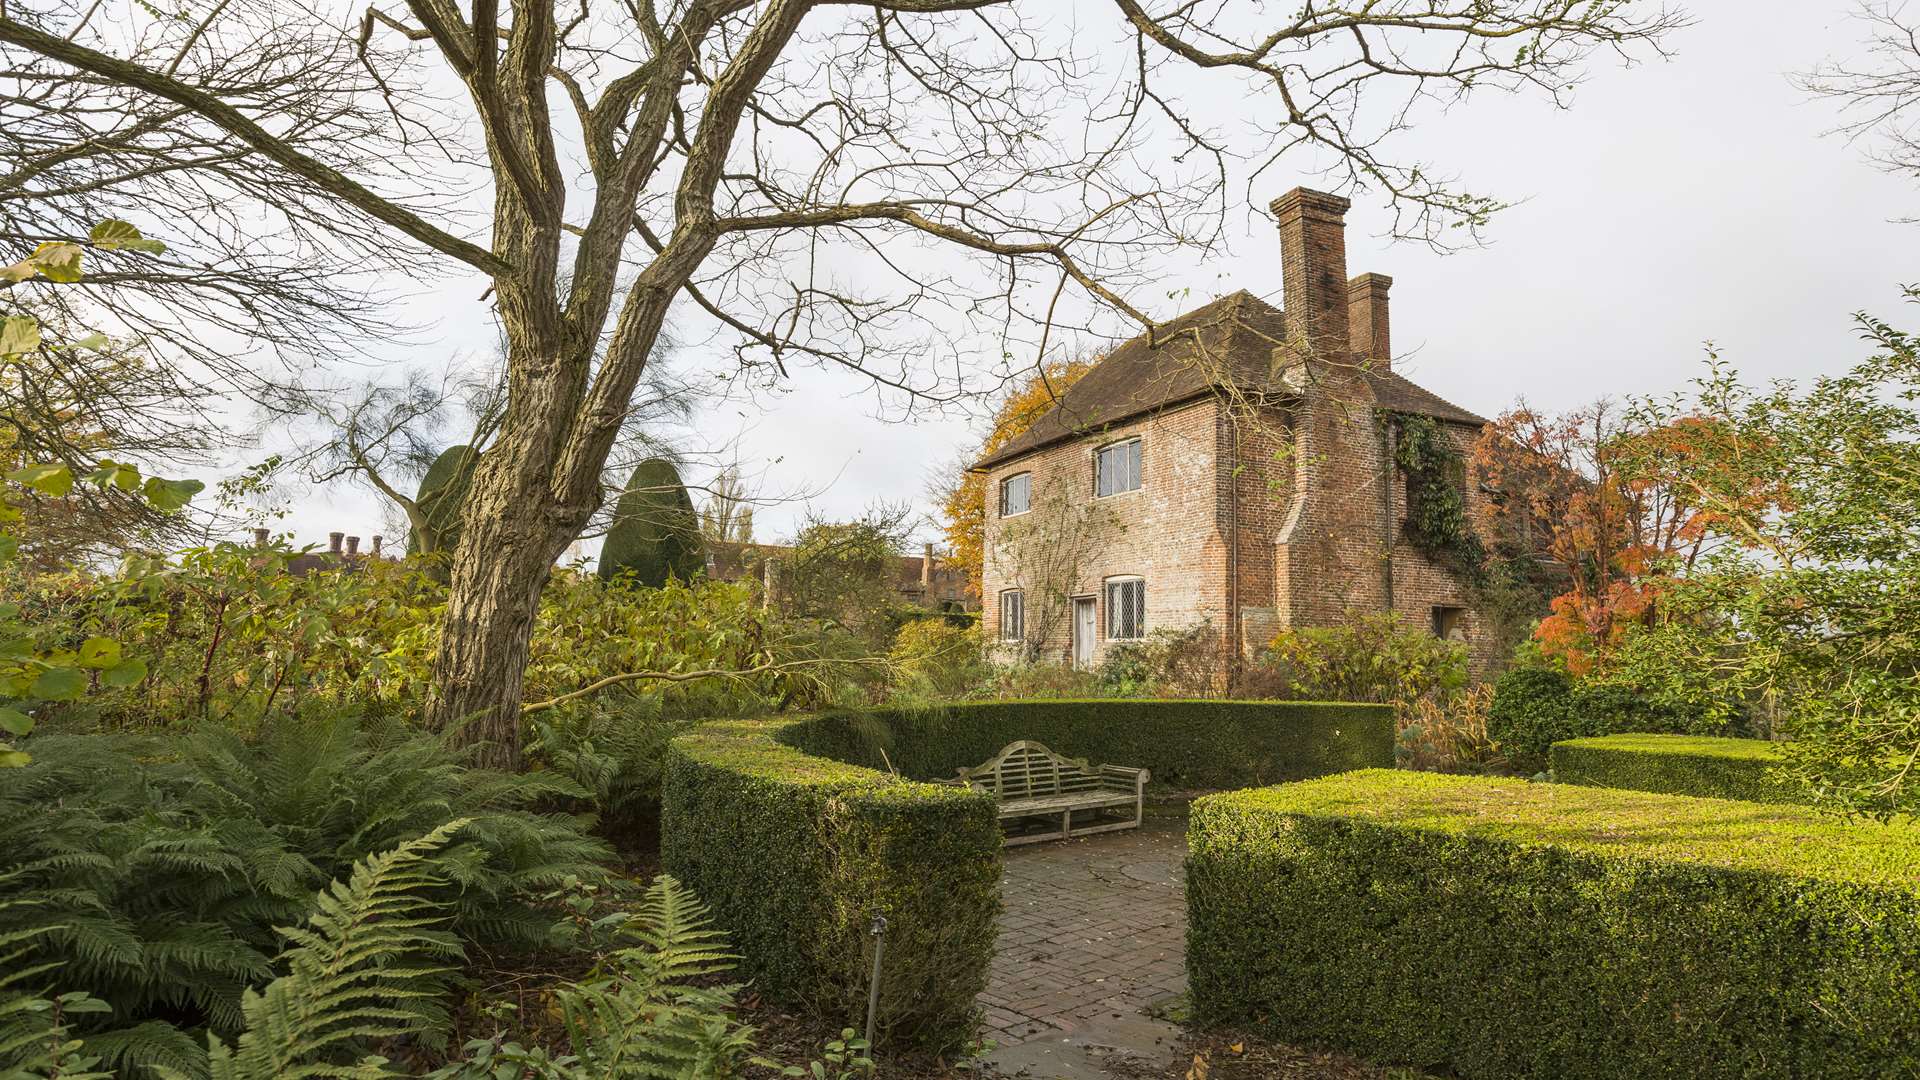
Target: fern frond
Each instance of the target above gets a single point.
(348, 979)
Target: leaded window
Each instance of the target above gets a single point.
(1016, 495)
(1116, 468)
(1013, 615)
(1126, 609)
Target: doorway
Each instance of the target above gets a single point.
(1083, 627)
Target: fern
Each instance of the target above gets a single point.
(355, 974)
(160, 868)
(34, 1039)
(637, 1016)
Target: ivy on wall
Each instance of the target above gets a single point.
(1436, 522)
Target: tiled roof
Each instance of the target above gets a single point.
(1228, 342)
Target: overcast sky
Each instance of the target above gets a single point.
(1674, 203)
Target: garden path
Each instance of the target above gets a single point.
(1092, 934)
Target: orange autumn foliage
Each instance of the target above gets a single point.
(965, 497)
(1603, 499)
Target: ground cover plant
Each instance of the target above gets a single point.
(1638, 934)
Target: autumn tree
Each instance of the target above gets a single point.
(783, 169)
(963, 493)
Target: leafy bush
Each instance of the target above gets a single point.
(1189, 663)
(934, 659)
(1535, 707)
(1029, 682)
(1638, 934)
(1700, 765)
(797, 854)
(1376, 658)
(159, 868)
(1451, 735)
(1186, 744)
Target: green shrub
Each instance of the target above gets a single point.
(1504, 929)
(796, 854)
(1701, 765)
(933, 658)
(442, 499)
(1186, 744)
(655, 534)
(1535, 707)
(1377, 658)
(156, 870)
(1532, 709)
(1187, 663)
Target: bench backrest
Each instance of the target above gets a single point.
(1026, 768)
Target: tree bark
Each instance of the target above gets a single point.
(513, 529)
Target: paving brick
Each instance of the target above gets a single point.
(1091, 929)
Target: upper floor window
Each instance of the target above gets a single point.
(1116, 468)
(1126, 609)
(1013, 615)
(1016, 495)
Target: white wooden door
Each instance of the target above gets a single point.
(1083, 625)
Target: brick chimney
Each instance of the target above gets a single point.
(333, 542)
(926, 568)
(260, 538)
(1313, 269)
(376, 545)
(1367, 319)
(353, 545)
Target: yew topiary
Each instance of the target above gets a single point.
(655, 533)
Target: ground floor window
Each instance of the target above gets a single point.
(1013, 615)
(1450, 623)
(1126, 609)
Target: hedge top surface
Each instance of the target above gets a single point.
(749, 746)
(1606, 822)
(1707, 745)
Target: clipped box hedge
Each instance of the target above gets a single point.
(1187, 744)
(1679, 765)
(1507, 929)
(795, 854)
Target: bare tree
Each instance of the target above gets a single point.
(727, 517)
(1878, 96)
(828, 182)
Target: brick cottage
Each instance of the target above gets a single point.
(1233, 469)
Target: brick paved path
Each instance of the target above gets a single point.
(1092, 931)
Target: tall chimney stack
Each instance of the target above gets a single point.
(260, 538)
(353, 545)
(926, 568)
(376, 545)
(1367, 319)
(333, 542)
(1313, 269)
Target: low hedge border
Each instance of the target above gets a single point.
(796, 854)
(1188, 745)
(1679, 765)
(1506, 929)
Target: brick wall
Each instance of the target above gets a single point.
(1167, 532)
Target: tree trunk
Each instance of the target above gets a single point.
(512, 531)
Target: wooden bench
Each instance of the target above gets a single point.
(1033, 781)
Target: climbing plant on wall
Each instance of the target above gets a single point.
(1436, 522)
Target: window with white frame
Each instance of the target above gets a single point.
(1013, 615)
(1126, 609)
(1116, 468)
(1016, 495)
